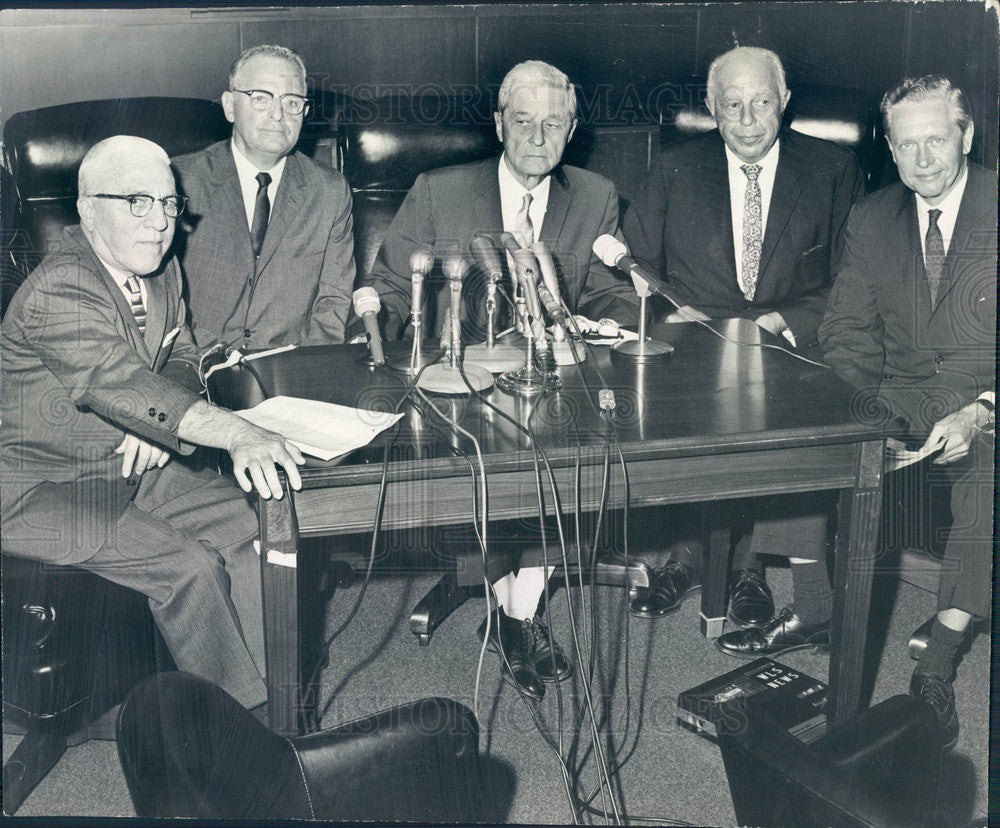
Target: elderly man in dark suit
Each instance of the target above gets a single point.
(746, 222)
(100, 390)
(912, 319)
(268, 253)
(528, 192)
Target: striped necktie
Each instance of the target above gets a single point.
(753, 231)
(135, 301)
(261, 213)
(524, 230)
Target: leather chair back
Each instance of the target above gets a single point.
(43, 149)
(385, 143)
(843, 116)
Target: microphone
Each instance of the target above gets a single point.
(455, 267)
(421, 262)
(614, 253)
(367, 305)
(548, 288)
(527, 274)
(487, 257)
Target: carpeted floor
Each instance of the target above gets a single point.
(670, 775)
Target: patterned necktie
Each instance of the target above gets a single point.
(524, 230)
(934, 254)
(261, 213)
(135, 300)
(753, 231)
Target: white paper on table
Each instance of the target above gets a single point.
(898, 456)
(321, 429)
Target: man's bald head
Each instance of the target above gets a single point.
(106, 161)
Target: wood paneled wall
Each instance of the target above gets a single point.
(625, 57)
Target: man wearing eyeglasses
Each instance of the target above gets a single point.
(268, 252)
(100, 392)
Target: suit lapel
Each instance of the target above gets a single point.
(156, 312)
(285, 211)
(485, 204)
(784, 196)
(712, 177)
(967, 225)
(227, 197)
(556, 209)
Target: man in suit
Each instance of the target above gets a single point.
(530, 194)
(100, 390)
(912, 320)
(268, 253)
(746, 222)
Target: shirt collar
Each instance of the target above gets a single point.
(767, 164)
(248, 171)
(120, 276)
(951, 202)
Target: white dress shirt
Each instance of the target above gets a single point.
(512, 197)
(737, 194)
(949, 213)
(247, 174)
(121, 277)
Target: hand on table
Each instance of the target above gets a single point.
(686, 313)
(256, 453)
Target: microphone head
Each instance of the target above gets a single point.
(609, 249)
(508, 241)
(366, 301)
(485, 253)
(455, 267)
(421, 261)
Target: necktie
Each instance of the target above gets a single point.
(261, 213)
(934, 254)
(753, 231)
(524, 230)
(135, 300)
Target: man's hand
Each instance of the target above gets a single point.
(954, 433)
(686, 313)
(140, 456)
(255, 454)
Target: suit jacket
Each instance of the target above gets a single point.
(446, 208)
(299, 290)
(78, 375)
(682, 227)
(881, 333)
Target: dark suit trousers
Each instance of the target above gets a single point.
(186, 542)
(967, 568)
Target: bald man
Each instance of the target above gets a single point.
(100, 391)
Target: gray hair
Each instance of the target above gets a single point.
(928, 87)
(535, 73)
(267, 50)
(106, 160)
(766, 56)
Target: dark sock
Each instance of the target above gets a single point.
(743, 558)
(813, 595)
(688, 553)
(938, 659)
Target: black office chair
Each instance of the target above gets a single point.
(188, 749)
(879, 769)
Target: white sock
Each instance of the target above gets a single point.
(503, 589)
(526, 592)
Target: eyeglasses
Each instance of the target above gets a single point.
(261, 100)
(141, 204)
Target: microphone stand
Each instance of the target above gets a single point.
(420, 353)
(446, 377)
(643, 349)
(532, 379)
(496, 357)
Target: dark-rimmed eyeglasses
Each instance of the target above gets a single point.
(261, 100)
(140, 204)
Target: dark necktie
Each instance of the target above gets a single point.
(135, 300)
(753, 231)
(933, 254)
(261, 213)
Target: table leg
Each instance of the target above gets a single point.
(280, 594)
(856, 546)
(714, 568)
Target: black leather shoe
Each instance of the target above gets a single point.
(939, 694)
(549, 660)
(514, 641)
(666, 592)
(750, 601)
(786, 632)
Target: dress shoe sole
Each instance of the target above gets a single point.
(817, 646)
(668, 610)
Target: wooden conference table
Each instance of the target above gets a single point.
(715, 421)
